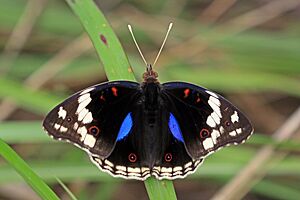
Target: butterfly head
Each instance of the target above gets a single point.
(150, 76)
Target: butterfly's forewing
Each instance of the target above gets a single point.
(206, 120)
(92, 118)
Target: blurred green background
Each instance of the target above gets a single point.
(248, 51)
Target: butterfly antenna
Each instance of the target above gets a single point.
(163, 44)
(136, 44)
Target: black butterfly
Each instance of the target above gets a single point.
(133, 130)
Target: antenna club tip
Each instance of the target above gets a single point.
(171, 24)
(129, 26)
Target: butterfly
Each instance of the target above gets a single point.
(136, 130)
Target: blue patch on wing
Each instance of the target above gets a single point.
(174, 128)
(125, 127)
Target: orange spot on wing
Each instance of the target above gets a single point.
(114, 91)
(186, 93)
(198, 100)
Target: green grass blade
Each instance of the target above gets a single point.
(36, 183)
(116, 66)
(106, 43)
(71, 195)
(160, 190)
(276, 190)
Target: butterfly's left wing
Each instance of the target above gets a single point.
(92, 119)
(206, 120)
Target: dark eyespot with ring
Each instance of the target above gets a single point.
(204, 133)
(227, 123)
(69, 119)
(168, 157)
(94, 130)
(132, 157)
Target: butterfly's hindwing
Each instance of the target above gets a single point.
(127, 159)
(175, 162)
(207, 120)
(133, 157)
(92, 118)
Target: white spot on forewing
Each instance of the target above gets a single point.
(214, 106)
(211, 93)
(239, 130)
(232, 133)
(214, 135)
(210, 121)
(82, 114)
(82, 131)
(234, 117)
(88, 118)
(56, 126)
(89, 140)
(222, 130)
(63, 129)
(83, 104)
(208, 143)
(215, 117)
(84, 97)
(62, 113)
(215, 101)
(75, 127)
(87, 90)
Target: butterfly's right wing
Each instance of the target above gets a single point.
(92, 119)
(206, 120)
